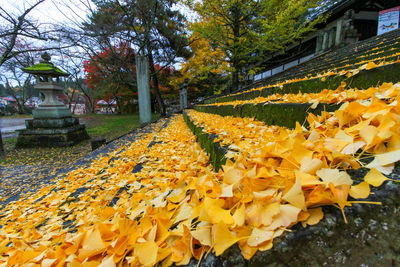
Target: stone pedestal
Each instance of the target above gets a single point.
(52, 124)
(51, 132)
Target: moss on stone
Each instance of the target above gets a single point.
(281, 114)
(363, 80)
(45, 68)
(215, 150)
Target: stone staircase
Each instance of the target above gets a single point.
(379, 48)
(302, 99)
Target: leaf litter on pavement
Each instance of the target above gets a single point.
(158, 200)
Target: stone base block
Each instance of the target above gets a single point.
(51, 112)
(51, 137)
(51, 123)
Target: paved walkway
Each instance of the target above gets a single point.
(8, 126)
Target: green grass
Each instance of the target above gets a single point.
(17, 116)
(111, 125)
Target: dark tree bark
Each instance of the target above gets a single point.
(236, 14)
(2, 152)
(154, 77)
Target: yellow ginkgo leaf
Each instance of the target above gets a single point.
(370, 65)
(239, 216)
(316, 215)
(258, 214)
(184, 213)
(353, 147)
(232, 175)
(203, 235)
(368, 133)
(300, 153)
(389, 157)
(109, 262)
(375, 178)
(359, 191)
(295, 195)
(259, 236)
(92, 245)
(314, 105)
(213, 212)
(387, 169)
(223, 238)
(307, 179)
(227, 191)
(288, 215)
(146, 252)
(48, 262)
(334, 176)
(311, 166)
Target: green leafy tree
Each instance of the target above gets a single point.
(206, 70)
(243, 28)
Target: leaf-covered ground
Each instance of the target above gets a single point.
(347, 71)
(158, 200)
(337, 96)
(154, 198)
(27, 169)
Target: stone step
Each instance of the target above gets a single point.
(363, 80)
(368, 238)
(324, 241)
(338, 60)
(337, 66)
(51, 123)
(323, 62)
(301, 72)
(51, 137)
(351, 63)
(215, 150)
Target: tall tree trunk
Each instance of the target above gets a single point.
(118, 104)
(156, 86)
(20, 107)
(90, 101)
(235, 77)
(2, 152)
(236, 14)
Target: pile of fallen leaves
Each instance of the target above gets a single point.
(365, 65)
(337, 96)
(281, 177)
(159, 200)
(126, 207)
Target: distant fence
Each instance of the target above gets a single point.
(281, 68)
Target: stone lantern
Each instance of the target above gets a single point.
(52, 124)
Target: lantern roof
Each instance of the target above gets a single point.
(45, 68)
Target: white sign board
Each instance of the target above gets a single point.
(388, 20)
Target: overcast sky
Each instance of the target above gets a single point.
(50, 11)
(67, 12)
(61, 11)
